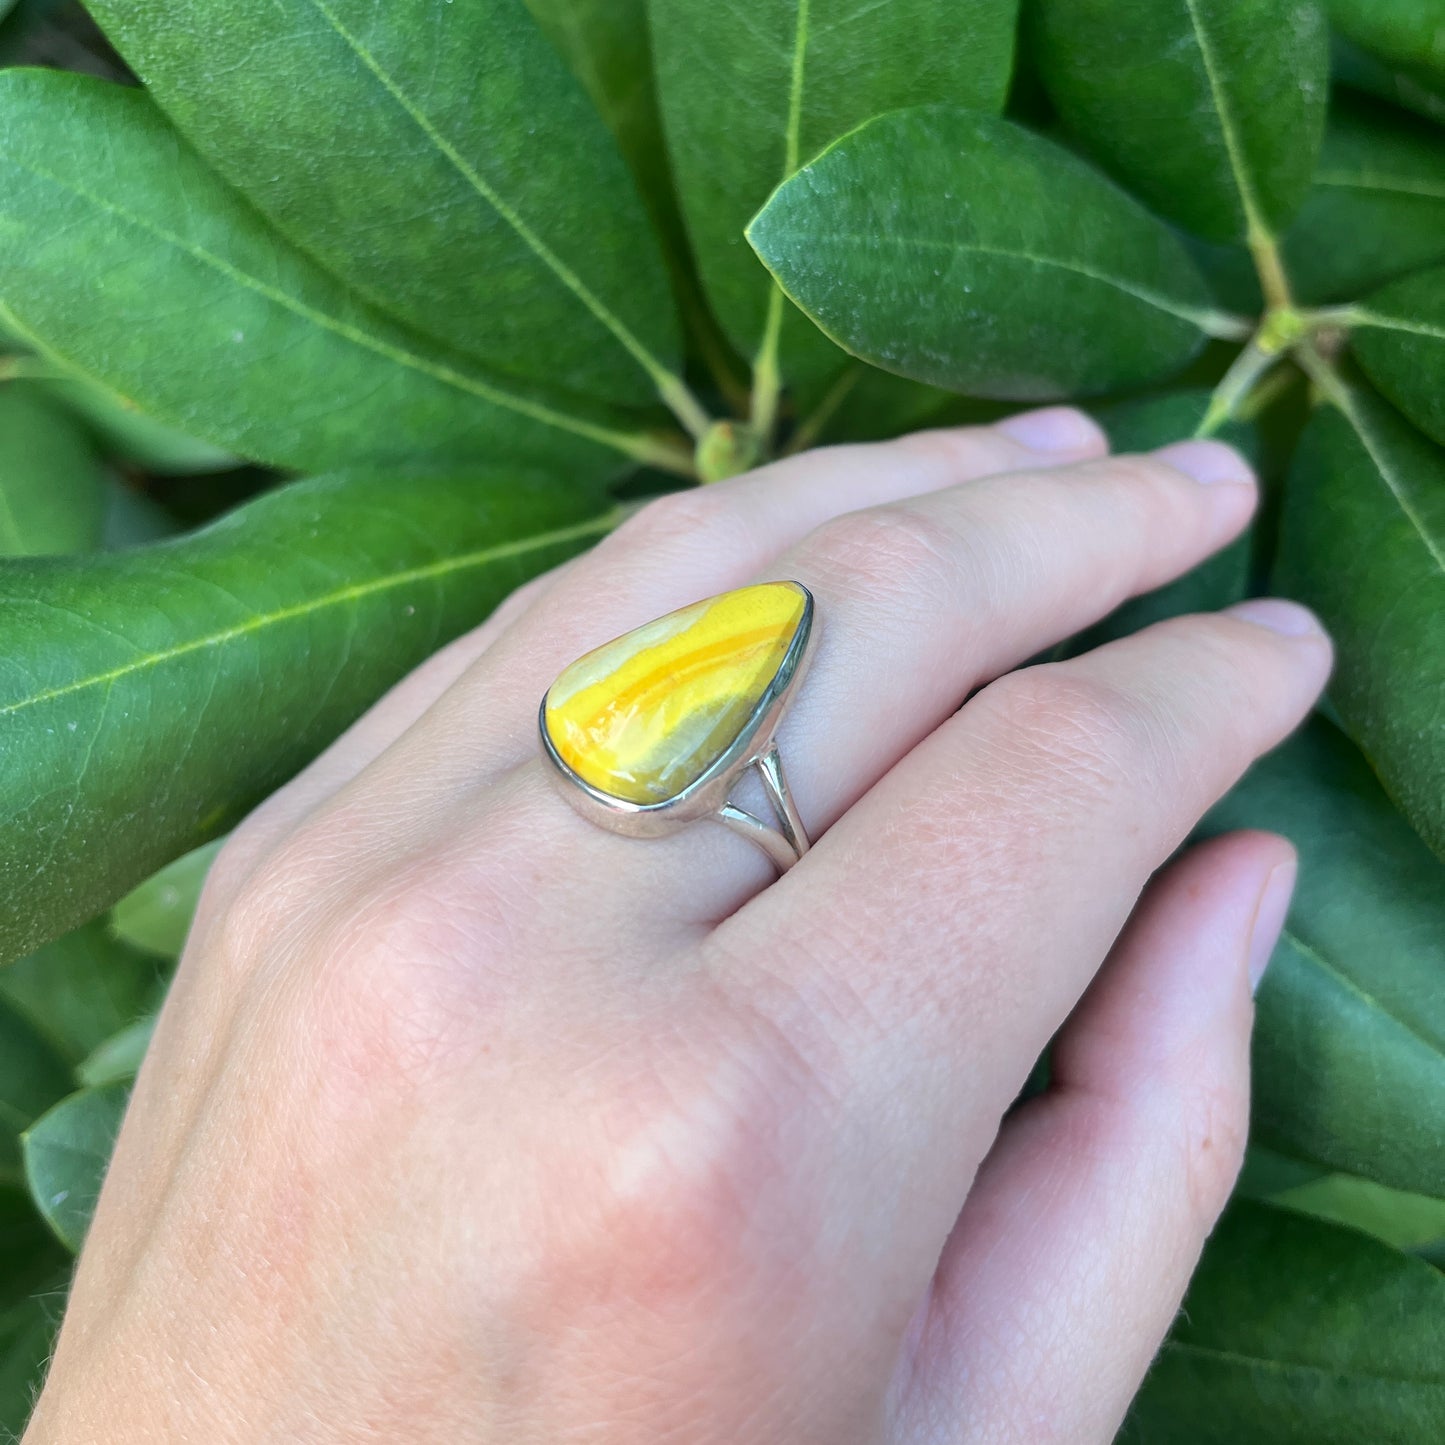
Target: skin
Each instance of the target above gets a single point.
(468, 1121)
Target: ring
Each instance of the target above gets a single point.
(653, 731)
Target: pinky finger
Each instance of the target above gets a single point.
(1075, 1246)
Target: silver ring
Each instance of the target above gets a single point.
(655, 730)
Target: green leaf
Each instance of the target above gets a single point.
(129, 435)
(1297, 1332)
(1410, 32)
(1141, 426)
(32, 1298)
(148, 698)
(1377, 209)
(131, 518)
(751, 90)
(1212, 110)
(608, 47)
(1407, 1221)
(959, 249)
(1349, 1047)
(211, 323)
(119, 1058)
(1400, 85)
(441, 160)
(32, 1077)
(67, 1151)
(156, 917)
(82, 988)
(52, 495)
(1363, 542)
(1400, 342)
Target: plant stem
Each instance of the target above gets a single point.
(683, 404)
(1223, 326)
(1325, 377)
(1267, 391)
(811, 427)
(1247, 369)
(767, 379)
(1270, 265)
(667, 454)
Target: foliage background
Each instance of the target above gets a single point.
(356, 316)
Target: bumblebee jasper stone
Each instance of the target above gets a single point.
(644, 717)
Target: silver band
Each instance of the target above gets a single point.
(788, 841)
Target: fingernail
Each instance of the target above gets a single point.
(1289, 619)
(1054, 429)
(1269, 919)
(1207, 462)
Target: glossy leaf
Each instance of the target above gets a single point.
(1407, 1221)
(440, 159)
(1364, 543)
(211, 323)
(1400, 342)
(132, 518)
(959, 249)
(148, 698)
(32, 1077)
(67, 1151)
(157, 916)
(1377, 209)
(52, 491)
(81, 988)
(608, 46)
(1211, 110)
(118, 1058)
(1349, 1046)
(128, 435)
(751, 89)
(1411, 32)
(1297, 1332)
(1401, 85)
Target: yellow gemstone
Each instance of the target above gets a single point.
(646, 716)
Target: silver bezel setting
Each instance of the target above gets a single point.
(707, 795)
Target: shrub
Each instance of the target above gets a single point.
(420, 294)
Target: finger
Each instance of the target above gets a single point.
(932, 943)
(679, 548)
(367, 738)
(1088, 1216)
(694, 544)
(918, 602)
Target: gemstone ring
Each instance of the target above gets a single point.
(654, 730)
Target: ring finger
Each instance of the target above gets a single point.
(919, 601)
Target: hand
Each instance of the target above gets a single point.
(467, 1120)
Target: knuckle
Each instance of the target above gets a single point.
(895, 551)
(1074, 728)
(676, 521)
(960, 451)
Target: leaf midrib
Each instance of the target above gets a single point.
(357, 591)
(1345, 400)
(534, 411)
(1253, 220)
(1239, 1357)
(1381, 182)
(1182, 312)
(1334, 972)
(654, 369)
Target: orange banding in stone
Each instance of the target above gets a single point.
(645, 716)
